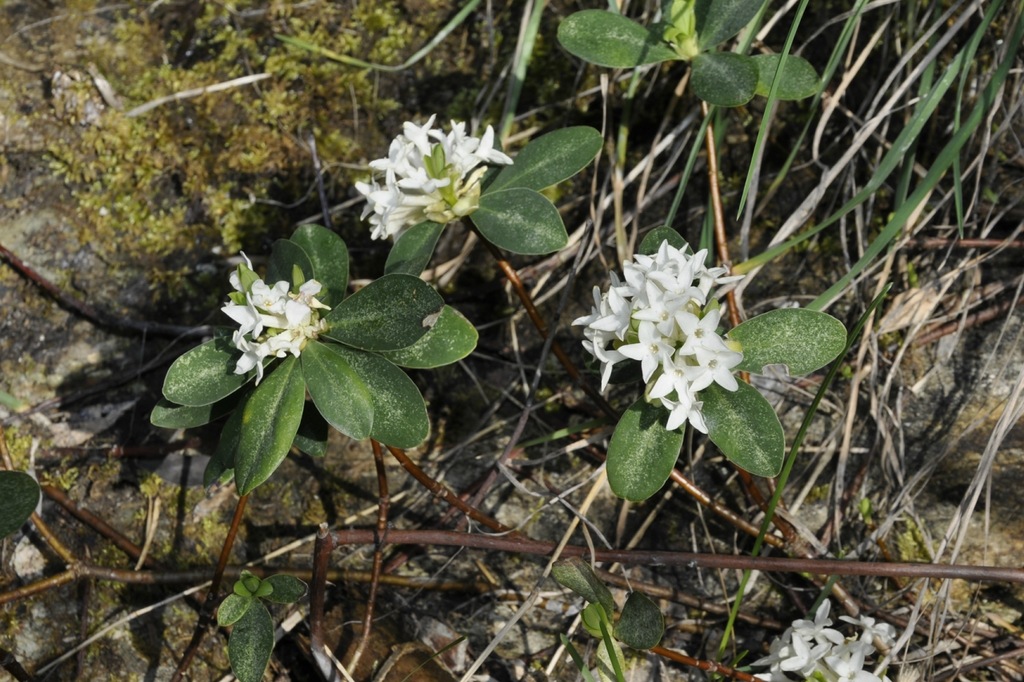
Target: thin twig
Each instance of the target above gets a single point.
(383, 503)
(97, 317)
(196, 92)
(206, 614)
(441, 491)
(695, 560)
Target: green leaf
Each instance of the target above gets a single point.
(577, 574)
(205, 374)
(745, 428)
(610, 39)
(549, 159)
(520, 220)
(576, 658)
(311, 437)
(221, 467)
(719, 20)
(799, 79)
(641, 624)
(232, 609)
(387, 314)
(270, 420)
(724, 79)
(642, 452)
(413, 250)
(287, 589)
(452, 338)
(803, 340)
(251, 643)
(592, 617)
(171, 416)
(19, 495)
(285, 254)
(338, 391)
(328, 255)
(399, 413)
(652, 241)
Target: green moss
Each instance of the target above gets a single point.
(200, 173)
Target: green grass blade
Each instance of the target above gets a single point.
(942, 163)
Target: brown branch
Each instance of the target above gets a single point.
(383, 503)
(317, 598)
(97, 317)
(442, 491)
(206, 613)
(706, 666)
(691, 559)
(9, 663)
(95, 522)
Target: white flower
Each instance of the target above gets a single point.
(811, 650)
(273, 321)
(427, 175)
(663, 315)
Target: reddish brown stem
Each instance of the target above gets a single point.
(90, 313)
(95, 522)
(690, 559)
(317, 598)
(441, 491)
(206, 613)
(383, 502)
(706, 666)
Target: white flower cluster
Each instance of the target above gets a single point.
(664, 316)
(427, 175)
(811, 650)
(272, 321)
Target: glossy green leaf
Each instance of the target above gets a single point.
(520, 220)
(745, 428)
(328, 255)
(171, 416)
(285, 254)
(311, 437)
(802, 340)
(641, 624)
(251, 643)
(287, 589)
(270, 420)
(550, 159)
(799, 79)
(205, 374)
(337, 390)
(653, 239)
(719, 20)
(610, 39)
(221, 467)
(232, 609)
(577, 574)
(389, 313)
(19, 495)
(642, 452)
(399, 413)
(724, 79)
(414, 248)
(452, 338)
